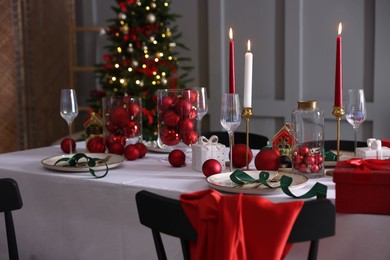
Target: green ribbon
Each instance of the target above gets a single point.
(90, 162)
(239, 177)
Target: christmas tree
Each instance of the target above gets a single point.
(141, 57)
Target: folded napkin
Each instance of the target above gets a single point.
(239, 227)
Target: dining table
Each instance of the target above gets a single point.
(69, 215)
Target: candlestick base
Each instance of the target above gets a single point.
(338, 112)
(247, 114)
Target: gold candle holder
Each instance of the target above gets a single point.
(338, 112)
(247, 114)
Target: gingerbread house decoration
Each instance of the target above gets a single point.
(93, 126)
(284, 140)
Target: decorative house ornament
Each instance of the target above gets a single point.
(283, 141)
(93, 126)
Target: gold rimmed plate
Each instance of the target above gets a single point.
(222, 182)
(112, 161)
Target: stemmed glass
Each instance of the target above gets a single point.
(69, 109)
(230, 118)
(355, 112)
(202, 108)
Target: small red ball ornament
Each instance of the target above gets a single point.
(142, 149)
(186, 125)
(96, 145)
(131, 130)
(177, 158)
(134, 110)
(190, 138)
(170, 118)
(131, 152)
(183, 108)
(116, 148)
(119, 116)
(239, 155)
(66, 143)
(166, 103)
(210, 167)
(267, 159)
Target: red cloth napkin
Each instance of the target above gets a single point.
(239, 227)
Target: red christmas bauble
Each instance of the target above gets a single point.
(96, 145)
(119, 116)
(177, 158)
(186, 125)
(170, 137)
(131, 152)
(111, 127)
(166, 103)
(210, 167)
(115, 138)
(193, 114)
(239, 155)
(190, 95)
(190, 138)
(116, 148)
(142, 149)
(183, 108)
(134, 110)
(170, 118)
(267, 159)
(131, 129)
(66, 143)
(303, 150)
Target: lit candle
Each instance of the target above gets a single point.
(232, 74)
(248, 77)
(338, 91)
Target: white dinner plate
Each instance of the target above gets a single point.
(114, 161)
(153, 147)
(222, 182)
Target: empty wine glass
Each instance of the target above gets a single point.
(202, 107)
(69, 109)
(230, 118)
(355, 112)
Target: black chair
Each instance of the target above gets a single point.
(164, 215)
(256, 141)
(10, 200)
(345, 145)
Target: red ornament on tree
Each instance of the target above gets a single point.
(190, 138)
(239, 155)
(210, 167)
(131, 152)
(177, 158)
(96, 145)
(66, 143)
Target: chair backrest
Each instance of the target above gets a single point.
(256, 141)
(10, 200)
(315, 221)
(345, 145)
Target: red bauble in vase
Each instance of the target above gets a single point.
(170, 118)
(119, 116)
(134, 110)
(190, 138)
(131, 129)
(170, 137)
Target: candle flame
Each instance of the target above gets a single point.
(231, 33)
(340, 28)
(249, 45)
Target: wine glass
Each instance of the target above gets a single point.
(69, 109)
(230, 118)
(355, 112)
(202, 107)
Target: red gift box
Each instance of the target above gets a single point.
(363, 186)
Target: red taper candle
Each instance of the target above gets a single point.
(232, 73)
(338, 90)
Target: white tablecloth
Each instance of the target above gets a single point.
(75, 216)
